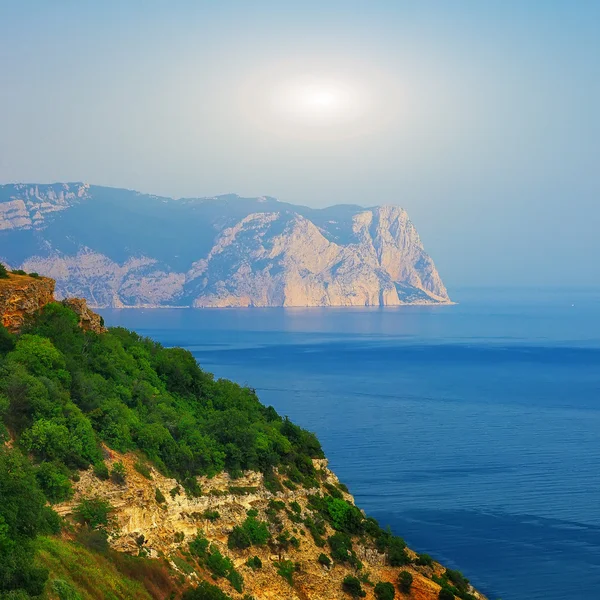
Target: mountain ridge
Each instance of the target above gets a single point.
(117, 248)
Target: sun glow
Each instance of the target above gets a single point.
(317, 103)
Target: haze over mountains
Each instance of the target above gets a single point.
(118, 247)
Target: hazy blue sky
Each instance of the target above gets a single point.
(479, 117)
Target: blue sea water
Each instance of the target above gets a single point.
(473, 430)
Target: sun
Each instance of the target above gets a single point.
(312, 102)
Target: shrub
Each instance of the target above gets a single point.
(254, 563)
(118, 473)
(295, 507)
(458, 579)
(286, 568)
(7, 342)
(64, 590)
(397, 555)
(384, 591)
(351, 585)
(143, 469)
(218, 564)
(199, 546)
(324, 560)
(238, 539)
(405, 580)
(445, 594)
(251, 533)
(179, 537)
(54, 480)
(101, 471)
(34, 275)
(3, 272)
(94, 512)
(341, 547)
(424, 560)
(205, 591)
(159, 496)
(18, 272)
(211, 515)
(236, 580)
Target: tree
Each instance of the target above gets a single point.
(351, 585)
(3, 272)
(445, 594)
(405, 580)
(384, 591)
(23, 515)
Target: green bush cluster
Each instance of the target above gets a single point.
(384, 591)
(286, 569)
(205, 591)
(254, 562)
(23, 516)
(405, 581)
(352, 586)
(209, 556)
(3, 272)
(68, 389)
(454, 583)
(252, 532)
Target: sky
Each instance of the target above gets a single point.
(481, 118)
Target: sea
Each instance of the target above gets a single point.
(472, 430)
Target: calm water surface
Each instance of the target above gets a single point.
(473, 430)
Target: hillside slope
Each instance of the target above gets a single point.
(165, 483)
(117, 247)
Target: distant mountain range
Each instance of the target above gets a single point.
(117, 248)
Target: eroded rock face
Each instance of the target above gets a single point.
(119, 248)
(165, 528)
(88, 319)
(21, 296)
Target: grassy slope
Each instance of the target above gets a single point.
(99, 576)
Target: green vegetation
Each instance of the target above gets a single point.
(118, 473)
(93, 512)
(324, 560)
(101, 471)
(252, 532)
(159, 496)
(143, 469)
(286, 568)
(64, 391)
(405, 581)
(424, 560)
(205, 591)
(445, 594)
(384, 591)
(351, 585)
(454, 583)
(81, 573)
(3, 272)
(254, 563)
(209, 556)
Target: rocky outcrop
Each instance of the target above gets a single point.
(21, 296)
(88, 319)
(119, 248)
(162, 525)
